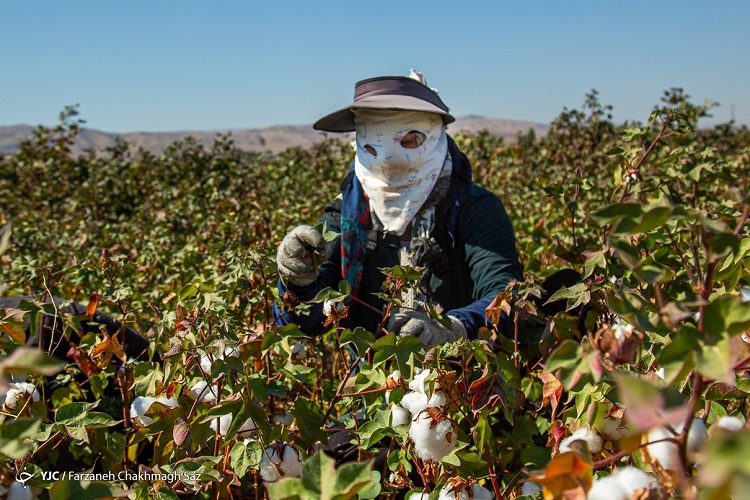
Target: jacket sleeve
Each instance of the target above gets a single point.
(489, 245)
(329, 276)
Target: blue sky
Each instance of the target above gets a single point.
(188, 65)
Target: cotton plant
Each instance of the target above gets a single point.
(623, 484)
(222, 423)
(666, 452)
(592, 438)
(728, 423)
(474, 491)
(141, 405)
(434, 434)
(299, 351)
(19, 393)
(203, 392)
(285, 418)
(206, 361)
(280, 460)
(611, 427)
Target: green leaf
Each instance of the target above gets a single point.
(615, 212)
(716, 361)
(244, 457)
(360, 337)
(321, 480)
(188, 291)
(727, 314)
(648, 405)
(402, 348)
(481, 433)
(16, 437)
(308, 416)
(375, 429)
(26, 360)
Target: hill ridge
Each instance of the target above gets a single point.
(274, 138)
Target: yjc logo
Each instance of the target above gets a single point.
(23, 476)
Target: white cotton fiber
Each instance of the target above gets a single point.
(415, 402)
(18, 392)
(634, 479)
(666, 452)
(612, 428)
(399, 416)
(478, 493)
(607, 488)
(696, 437)
(418, 383)
(225, 421)
(141, 404)
(730, 423)
(202, 392)
(432, 442)
(280, 461)
(590, 436)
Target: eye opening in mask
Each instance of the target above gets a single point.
(370, 150)
(413, 139)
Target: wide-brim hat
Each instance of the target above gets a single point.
(400, 93)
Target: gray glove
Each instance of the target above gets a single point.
(430, 331)
(300, 254)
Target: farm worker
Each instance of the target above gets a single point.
(408, 199)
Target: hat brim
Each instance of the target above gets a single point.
(343, 119)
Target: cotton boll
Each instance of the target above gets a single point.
(530, 489)
(280, 460)
(286, 419)
(432, 441)
(229, 352)
(225, 421)
(138, 408)
(696, 437)
(416, 402)
(399, 416)
(478, 493)
(418, 383)
(612, 428)
(633, 479)
(730, 423)
(608, 488)
(141, 404)
(591, 437)
(246, 428)
(666, 452)
(298, 350)
(202, 392)
(18, 393)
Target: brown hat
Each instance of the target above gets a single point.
(400, 93)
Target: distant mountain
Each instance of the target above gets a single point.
(272, 139)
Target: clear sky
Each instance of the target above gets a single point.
(168, 65)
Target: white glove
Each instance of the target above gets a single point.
(300, 254)
(430, 331)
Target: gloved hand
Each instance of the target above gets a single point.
(300, 254)
(430, 331)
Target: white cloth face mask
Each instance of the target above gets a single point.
(399, 158)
